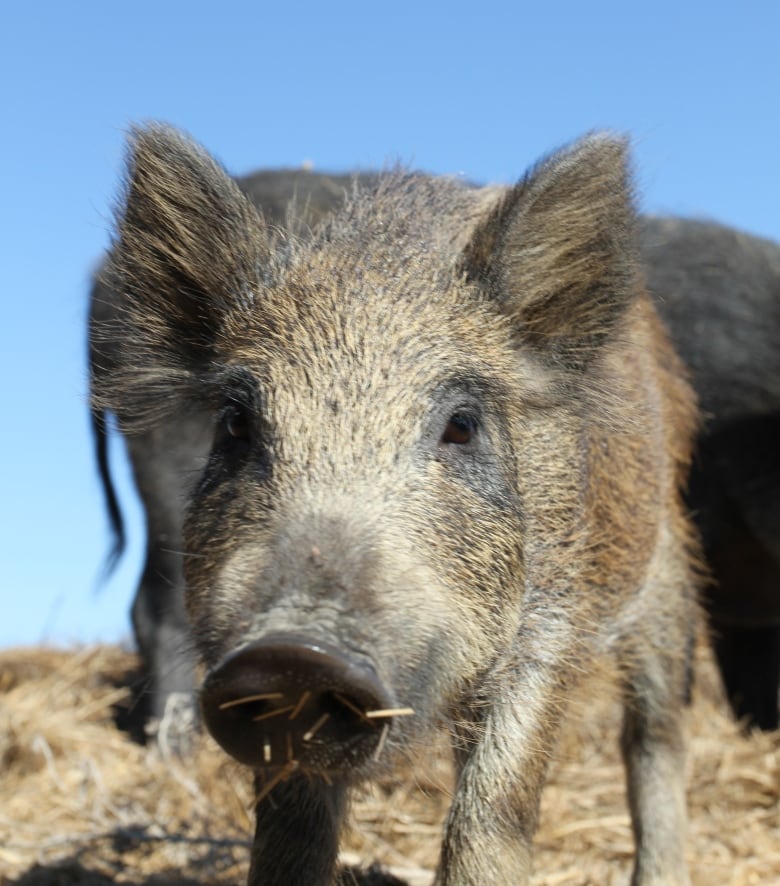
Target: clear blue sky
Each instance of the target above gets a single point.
(476, 88)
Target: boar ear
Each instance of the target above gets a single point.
(558, 251)
(187, 250)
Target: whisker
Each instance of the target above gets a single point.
(307, 736)
(381, 743)
(301, 702)
(282, 775)
(190, 554)
(348, 704)
(389, 712)
(264, 696)
(273, 713)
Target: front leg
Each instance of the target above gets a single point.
(298, 823)
(503, 766)
(653, 745)
(655, 657)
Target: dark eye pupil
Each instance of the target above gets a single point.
(237, 424)
(458, 431)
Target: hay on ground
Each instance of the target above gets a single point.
(84, 805)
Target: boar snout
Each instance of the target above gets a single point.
(293, 702)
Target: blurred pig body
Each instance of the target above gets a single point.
(449, 435)
(718, 290)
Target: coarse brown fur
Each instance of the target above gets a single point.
(482, 572)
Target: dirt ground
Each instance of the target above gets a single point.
(82, 804)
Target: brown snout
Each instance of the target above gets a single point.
(288, 701)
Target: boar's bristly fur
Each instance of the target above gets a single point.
(449, 434)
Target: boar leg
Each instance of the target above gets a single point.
(503, 765)
(653, 745)
(298, 823)
(653, 749)
(166, 461)
(162, 632)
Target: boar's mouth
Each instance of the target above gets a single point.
(288, 702)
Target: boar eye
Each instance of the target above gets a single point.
(459, 430)
(236, 423)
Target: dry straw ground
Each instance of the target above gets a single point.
(83, 805)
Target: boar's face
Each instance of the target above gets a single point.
(392, 399)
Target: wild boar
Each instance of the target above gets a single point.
(449, 437)
(716, 288)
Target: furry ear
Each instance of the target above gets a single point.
(188, 251)
(558, 251)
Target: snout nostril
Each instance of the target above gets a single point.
(286, 700)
